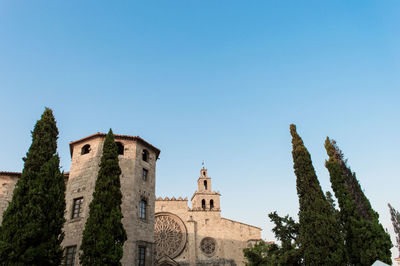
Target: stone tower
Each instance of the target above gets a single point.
(204, 199)
(137, 160)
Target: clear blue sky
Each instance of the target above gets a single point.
(218, 81)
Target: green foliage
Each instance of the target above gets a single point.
(366, 240)
(257, 255)
(104, 234)
(395, 215)
(320, 238)
(286, 230)
(31, 232)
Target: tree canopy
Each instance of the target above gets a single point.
(104, 234)
(366, 240)
(31, 232)
(320, 238)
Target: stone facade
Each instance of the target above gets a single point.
(137, 161)
(167, 230)
(199, 235)
(7, 185)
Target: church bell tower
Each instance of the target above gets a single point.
(204, 199)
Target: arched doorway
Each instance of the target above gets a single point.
(166, 261)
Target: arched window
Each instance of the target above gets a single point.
(85, 149)
(211, 204)
(120, 147)
(203, 204)
(205, 184)
(142, 209)
(145, 155)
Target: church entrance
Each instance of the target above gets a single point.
(166, 261)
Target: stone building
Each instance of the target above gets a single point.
(199, 235)
(137, 159)
(160, 232)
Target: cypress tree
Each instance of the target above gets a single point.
(395, 216)
(320, 238)
(31, 232)
(104, 234)
(366, 240)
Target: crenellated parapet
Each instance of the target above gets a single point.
(171, 199)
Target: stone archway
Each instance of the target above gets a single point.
(166, 261)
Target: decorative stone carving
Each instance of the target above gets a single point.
(208, 246)
(170, 235)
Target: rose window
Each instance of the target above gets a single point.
(170, 235)
(208, 245)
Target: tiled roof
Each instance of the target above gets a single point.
(10, 173)
(66, 174)
(103, 135)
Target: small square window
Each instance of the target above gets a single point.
(77, 208)
(142, 256)
(70, 256)
(145, 173)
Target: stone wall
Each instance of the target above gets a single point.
(8, 180)
(230, 237)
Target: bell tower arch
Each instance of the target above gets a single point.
(204, 199)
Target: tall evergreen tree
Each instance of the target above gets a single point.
(366, 240)
(395, 215)
(31, 232)
(104, 234)
(320, 239)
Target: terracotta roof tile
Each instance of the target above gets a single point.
(10, 173)
(102, 135)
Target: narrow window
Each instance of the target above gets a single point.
(211, 204)
(205, 184)
(70, 256)
(145, 174)
(77, 208)
(142, 256)
(142, 211)
(85, 149)
(203, 204)
(145, 155)
(120, 147)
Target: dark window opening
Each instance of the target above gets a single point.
(77, 208)
(205, 184)
(120, 147)
(145, 155)
(70, 256)
(145, 173)
(142, 209)
(85, 149)
(142, 256)
(211, 204)
(203, 204)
